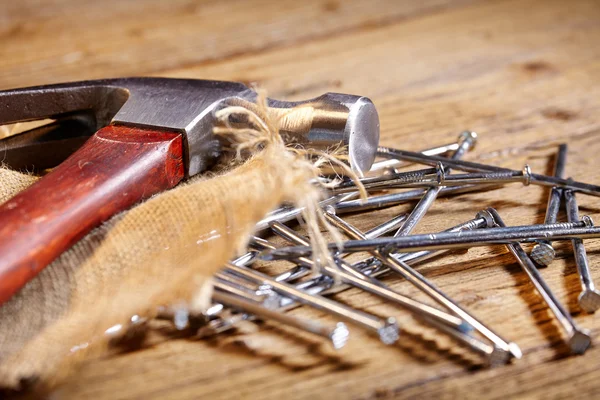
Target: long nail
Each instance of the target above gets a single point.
(237, 287)
(416, 178)
(392, 199)
(542, 180)
(337, 335)
(373, 267)
(300, 271)
(376, 287)
(467, 141)
(492, 354)
(386, 227)
(429, 178)
(434, 151)
(386, 329)
(578, 339)
(420, 256)
(485, 178)
(543, 253)
(428, 288)
(453, 240)
(285, 214)
(476, 223)
(589, 298)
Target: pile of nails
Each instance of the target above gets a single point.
(242, 293)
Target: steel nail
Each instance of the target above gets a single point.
(493, 355)
(386, 227)
(589, 298)
(386, 329)
(415, 178)
(537, 179)
(476, 223)
(392, 199)
(428, 288)
(372, 267)
(288, 213)
(260, 244)
(453, 240)
(578, 339)
(238, 287)
(302, 270)
(337, 335)
(378, 288)
(429, 179)
(543, 253)
(434, 151)
(466, 141)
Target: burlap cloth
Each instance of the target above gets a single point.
(159, 252)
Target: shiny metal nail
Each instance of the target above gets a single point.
(429, 179)
(260, 244)
(475, 223)
(453, 240)
(416, 178)
(349, 276)
(392, 164)
(373, 267)
(302, 270)
(493, 355)
(288, 213)
(479, 178)
(536, 179)
(589, 298)
(392, 199)
(230, 284)
(336, 335)
(578, 339)
(467, 141)
(543, 253)
(428, 288)
(386, 227)
(386, 329)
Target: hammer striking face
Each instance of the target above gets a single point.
(151, 133)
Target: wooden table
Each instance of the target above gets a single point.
(525, 74)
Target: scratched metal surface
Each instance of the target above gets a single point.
(523, 74)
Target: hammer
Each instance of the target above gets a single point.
(150, 133)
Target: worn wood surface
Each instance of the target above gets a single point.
(523, 73)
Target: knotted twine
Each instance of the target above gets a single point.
(162, 251)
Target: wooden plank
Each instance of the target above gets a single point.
(524, 74)
(71, 40)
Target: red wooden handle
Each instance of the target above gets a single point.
(114, 169)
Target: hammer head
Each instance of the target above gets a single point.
(188, 106)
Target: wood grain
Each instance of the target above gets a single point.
(160, 36)
(117, 167)
(523, 73)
